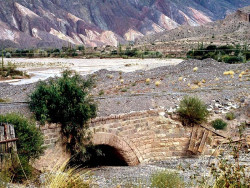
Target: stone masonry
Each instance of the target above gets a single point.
(140, 137)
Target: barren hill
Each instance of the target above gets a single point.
(234, 29)
(43, 23)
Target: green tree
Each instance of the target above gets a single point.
(65, 100)
(120, 50)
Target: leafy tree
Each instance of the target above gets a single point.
(65, 100)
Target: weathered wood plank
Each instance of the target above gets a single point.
(203, 141)
(193, 139)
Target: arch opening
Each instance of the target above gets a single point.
(104, 155)
(122, 149)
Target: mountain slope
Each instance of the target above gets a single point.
(237, 25)
(43, 23)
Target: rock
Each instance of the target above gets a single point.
(217, 112)
(170, 110)
(217, 105)
(224, 111)
(235, 106)
(242, 100)
(209, 109)
(227, 108)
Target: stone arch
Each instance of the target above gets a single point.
(125, 148)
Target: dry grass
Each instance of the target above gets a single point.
(229, 72)
(63, 177)
(195, 69)
(157, 83)
(148, 81)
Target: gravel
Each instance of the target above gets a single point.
(135, 95)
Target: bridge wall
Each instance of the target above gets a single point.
(140, 137)
(150, 135)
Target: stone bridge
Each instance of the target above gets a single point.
(139, 137)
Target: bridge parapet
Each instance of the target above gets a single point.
(150, 134)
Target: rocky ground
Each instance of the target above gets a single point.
(140, 176)
(163, 87)
(119, 92)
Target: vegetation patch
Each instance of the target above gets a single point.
(67, 177)
(227, 53)
(29, 147)
(9, 71)
(4, 100)
(219, 124)
(192, 111)
(230, 116)
(168, 179)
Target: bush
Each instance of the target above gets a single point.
(167, 179)
(29, 144)
(219, 124)
(65, 100)
(67, 177)
(230, 116)
(232, 59)
(192, 111)
(247, 54)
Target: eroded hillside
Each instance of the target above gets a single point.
(42, 23)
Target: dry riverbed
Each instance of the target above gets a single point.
(43, 68)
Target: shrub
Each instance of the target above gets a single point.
(247, 54)
(195, 69)
(232, 59)
(192, 111)
(230, 116)
(148, 81)
(167, 179)
(157, 83)
(219, 124)
(134, 84)
(4, 100)
(65, 100)
(228, 72)
(101, 92)
(124, 90)
(29, 144)
(66, 177)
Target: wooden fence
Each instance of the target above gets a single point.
(7, 142)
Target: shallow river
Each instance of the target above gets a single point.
(43, 68)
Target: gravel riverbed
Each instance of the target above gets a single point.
(119, 92)
(140, 176)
